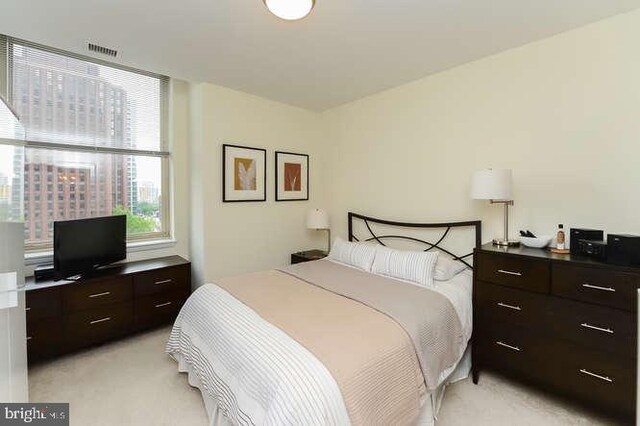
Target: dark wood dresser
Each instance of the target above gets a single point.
(64, 316)
(565, 323)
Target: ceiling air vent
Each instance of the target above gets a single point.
(102, 50)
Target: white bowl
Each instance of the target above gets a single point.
(537, 242)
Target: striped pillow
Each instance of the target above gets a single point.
(359, 255)
(414, 266)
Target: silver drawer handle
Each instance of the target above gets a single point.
(503, 271)
(163, 282)
(504, 305)
(597, 287)
(106, 293)
(597, 376)
(27, 309)
(504, 345)
(100, 320)
(163, 304)
(593, 327)
(29, 338)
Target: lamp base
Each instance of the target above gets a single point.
(506, 243)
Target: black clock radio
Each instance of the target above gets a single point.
(577, 234)
(596, 249)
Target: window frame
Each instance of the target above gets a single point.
(134, 241)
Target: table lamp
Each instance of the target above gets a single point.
(495, 185)
(319, 219)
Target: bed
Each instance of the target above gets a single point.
(330, 344)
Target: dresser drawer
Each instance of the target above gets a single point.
(43, 303)
(44, 338)
(514, 271)
(162, 280)
(511, 349)
(596, 377)
(157, 309)
(510, 305)
(102, 323)
(600, 286)
(595, 327)
(87, 296)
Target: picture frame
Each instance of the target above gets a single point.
(292, 176)
(244, 174)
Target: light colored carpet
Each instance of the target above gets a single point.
(133, 382)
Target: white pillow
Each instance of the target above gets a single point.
(447, 268)
(414, 266)
(360, 255)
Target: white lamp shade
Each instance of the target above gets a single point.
(318, 219)
(492, 184)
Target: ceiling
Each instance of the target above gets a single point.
(344, 50)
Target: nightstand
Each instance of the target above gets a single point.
(565, 323)
(307, 256)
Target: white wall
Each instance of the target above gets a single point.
(231, 238)
(563, 113)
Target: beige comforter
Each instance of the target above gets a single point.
(385, 342)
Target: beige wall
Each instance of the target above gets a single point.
(563, 113)
(231, 238)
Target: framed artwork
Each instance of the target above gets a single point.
(244, 174)
(292, 176)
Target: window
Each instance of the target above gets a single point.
(95, 141)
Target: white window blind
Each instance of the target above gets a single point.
(68, 100)
(95, 140)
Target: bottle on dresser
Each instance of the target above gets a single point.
(560, 238)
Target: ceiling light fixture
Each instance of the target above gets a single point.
(290, 10)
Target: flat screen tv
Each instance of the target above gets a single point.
(81, 246)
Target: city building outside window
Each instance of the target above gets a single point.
(95, 142)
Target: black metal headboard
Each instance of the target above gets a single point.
(447, 226)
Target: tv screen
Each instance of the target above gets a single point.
(80, 246)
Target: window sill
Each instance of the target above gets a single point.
(43, 257)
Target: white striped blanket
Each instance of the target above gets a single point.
(253, 371)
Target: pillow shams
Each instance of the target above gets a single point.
(414, 266)
(447, 268)
(359, 255)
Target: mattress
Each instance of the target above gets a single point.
(252, 372)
